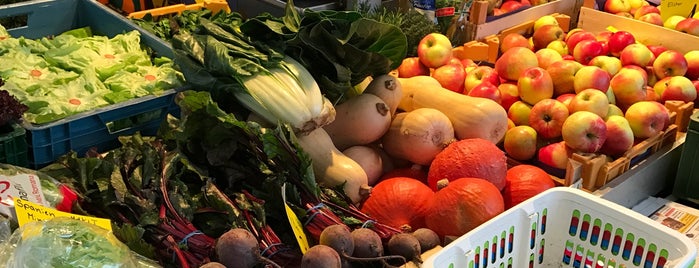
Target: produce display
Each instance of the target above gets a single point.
(645, 11)
(77, 71)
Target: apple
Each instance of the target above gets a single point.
(672, 21)
(696, 86)
(619, 136)
(412, 66)
(520, 142)
(486, 90)
(511, 40)
(618, 41)
(628, 86)
(603, 38)
(514, 61)
(587, 49)
(608, 63)
(559, 46)
(617, 6)
(613, 110)
(573, 39)
(675, 88)
(545, 20)
(555, 155)
(563, 74)
(651, 95)
(519, 113)
(591, 77)
(637, 54)
(546, 34)
(450, 76)
(670, 63)
(647, 118)
(566, 99)
(480, 74)
(656, 49)
(584, 131)
(509, 94)
(546, 56)
(652, 18)
(535, 84)
(591, 100)
(692, 58)
(689, 26)
(434, 50)
(511, 5)
(547, 117)
(646, 9)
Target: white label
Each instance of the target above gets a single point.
(24, 186)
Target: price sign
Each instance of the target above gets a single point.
(29, 212)
(23, 186)
(684, 8)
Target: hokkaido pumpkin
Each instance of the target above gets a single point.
(463, 204)
(524, 181)
(477, 158)
(399, 202)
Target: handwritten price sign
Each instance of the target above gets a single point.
(684, 8)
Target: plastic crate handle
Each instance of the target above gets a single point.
(135, 121)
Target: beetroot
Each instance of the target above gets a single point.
(238, 248)
(367, 243)
(321, 256)
(428, 239)
(405, 245)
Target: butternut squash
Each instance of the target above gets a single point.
(418, 136)
(359, 121)
(332, 168)
(388, 89)
(472, 117)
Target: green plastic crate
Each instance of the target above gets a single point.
(13, 146)
(687, 180)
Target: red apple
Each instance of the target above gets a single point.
(509, 94)
(520, 142)
(511, 40)
(637, 54)
(468, 63)
(652, 18)
(647, 118)
(656, 49)
(546, 34)
(692, 58)
(618, 41)
(480, 74)
(411, 66)
(434, 50)
(535, 84)
(591, 100)
(629, 87)
(566, 99)
(587, 49)
(619, 136)
(514, 61)
(555, 155)
(643, 10)
(486, 90)
(696, 86)
(675, 88)
(547, 117)
(450, 76)
(591, 77)
(584, 131)
(578, 36)
(688, 25)
(670, 63)
(511, 5)
(563, 73)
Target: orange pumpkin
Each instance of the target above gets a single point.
(523, 182)
(472, 158)
(400, 202)
(463, 204)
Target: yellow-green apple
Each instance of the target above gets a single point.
(486, 90)
(535, 84)
(608, 63)
(591, 76)
(434, 50)
(672, 21)
(647, 118)
(688, 25)
(617, 6)
(591, 100)
(556, 155)
(412, 66)
(637, 54)
(510, 123)
(619, 136)
(480, 74)
(566, 99)
(587, 49)
(669, 63)
(618, 41)
(635, 4)
(645, 9)
(652, 18)
(675, 88)
(584, 131)
(559, 46)
(614, 110)
(519, 113)
(547, 117)
(563, 73)
(545, 20)
(509, 94)
(511, 40)
(546, 56)
(692, 58)
(628, 86)
(520, 142)
(514, 61)
(696, 15)
(546, 34)
(450, 76)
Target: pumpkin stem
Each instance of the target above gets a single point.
(406, 228)
(442, 183)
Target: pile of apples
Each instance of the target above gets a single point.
(568, 92)
(642, 10)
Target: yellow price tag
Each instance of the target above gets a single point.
(669, 8)
(297, 227)
(28, 212)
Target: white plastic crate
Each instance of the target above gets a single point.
(567, 227)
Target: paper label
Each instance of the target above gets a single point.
(23, 186)
(297, 227)
(28, 212)
(669, 8)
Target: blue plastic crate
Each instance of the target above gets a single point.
(99, 128)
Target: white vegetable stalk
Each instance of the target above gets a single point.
(288, 94)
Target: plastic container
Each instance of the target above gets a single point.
(567, 227)
(13, 146)
(99, 128)
(687, 180)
